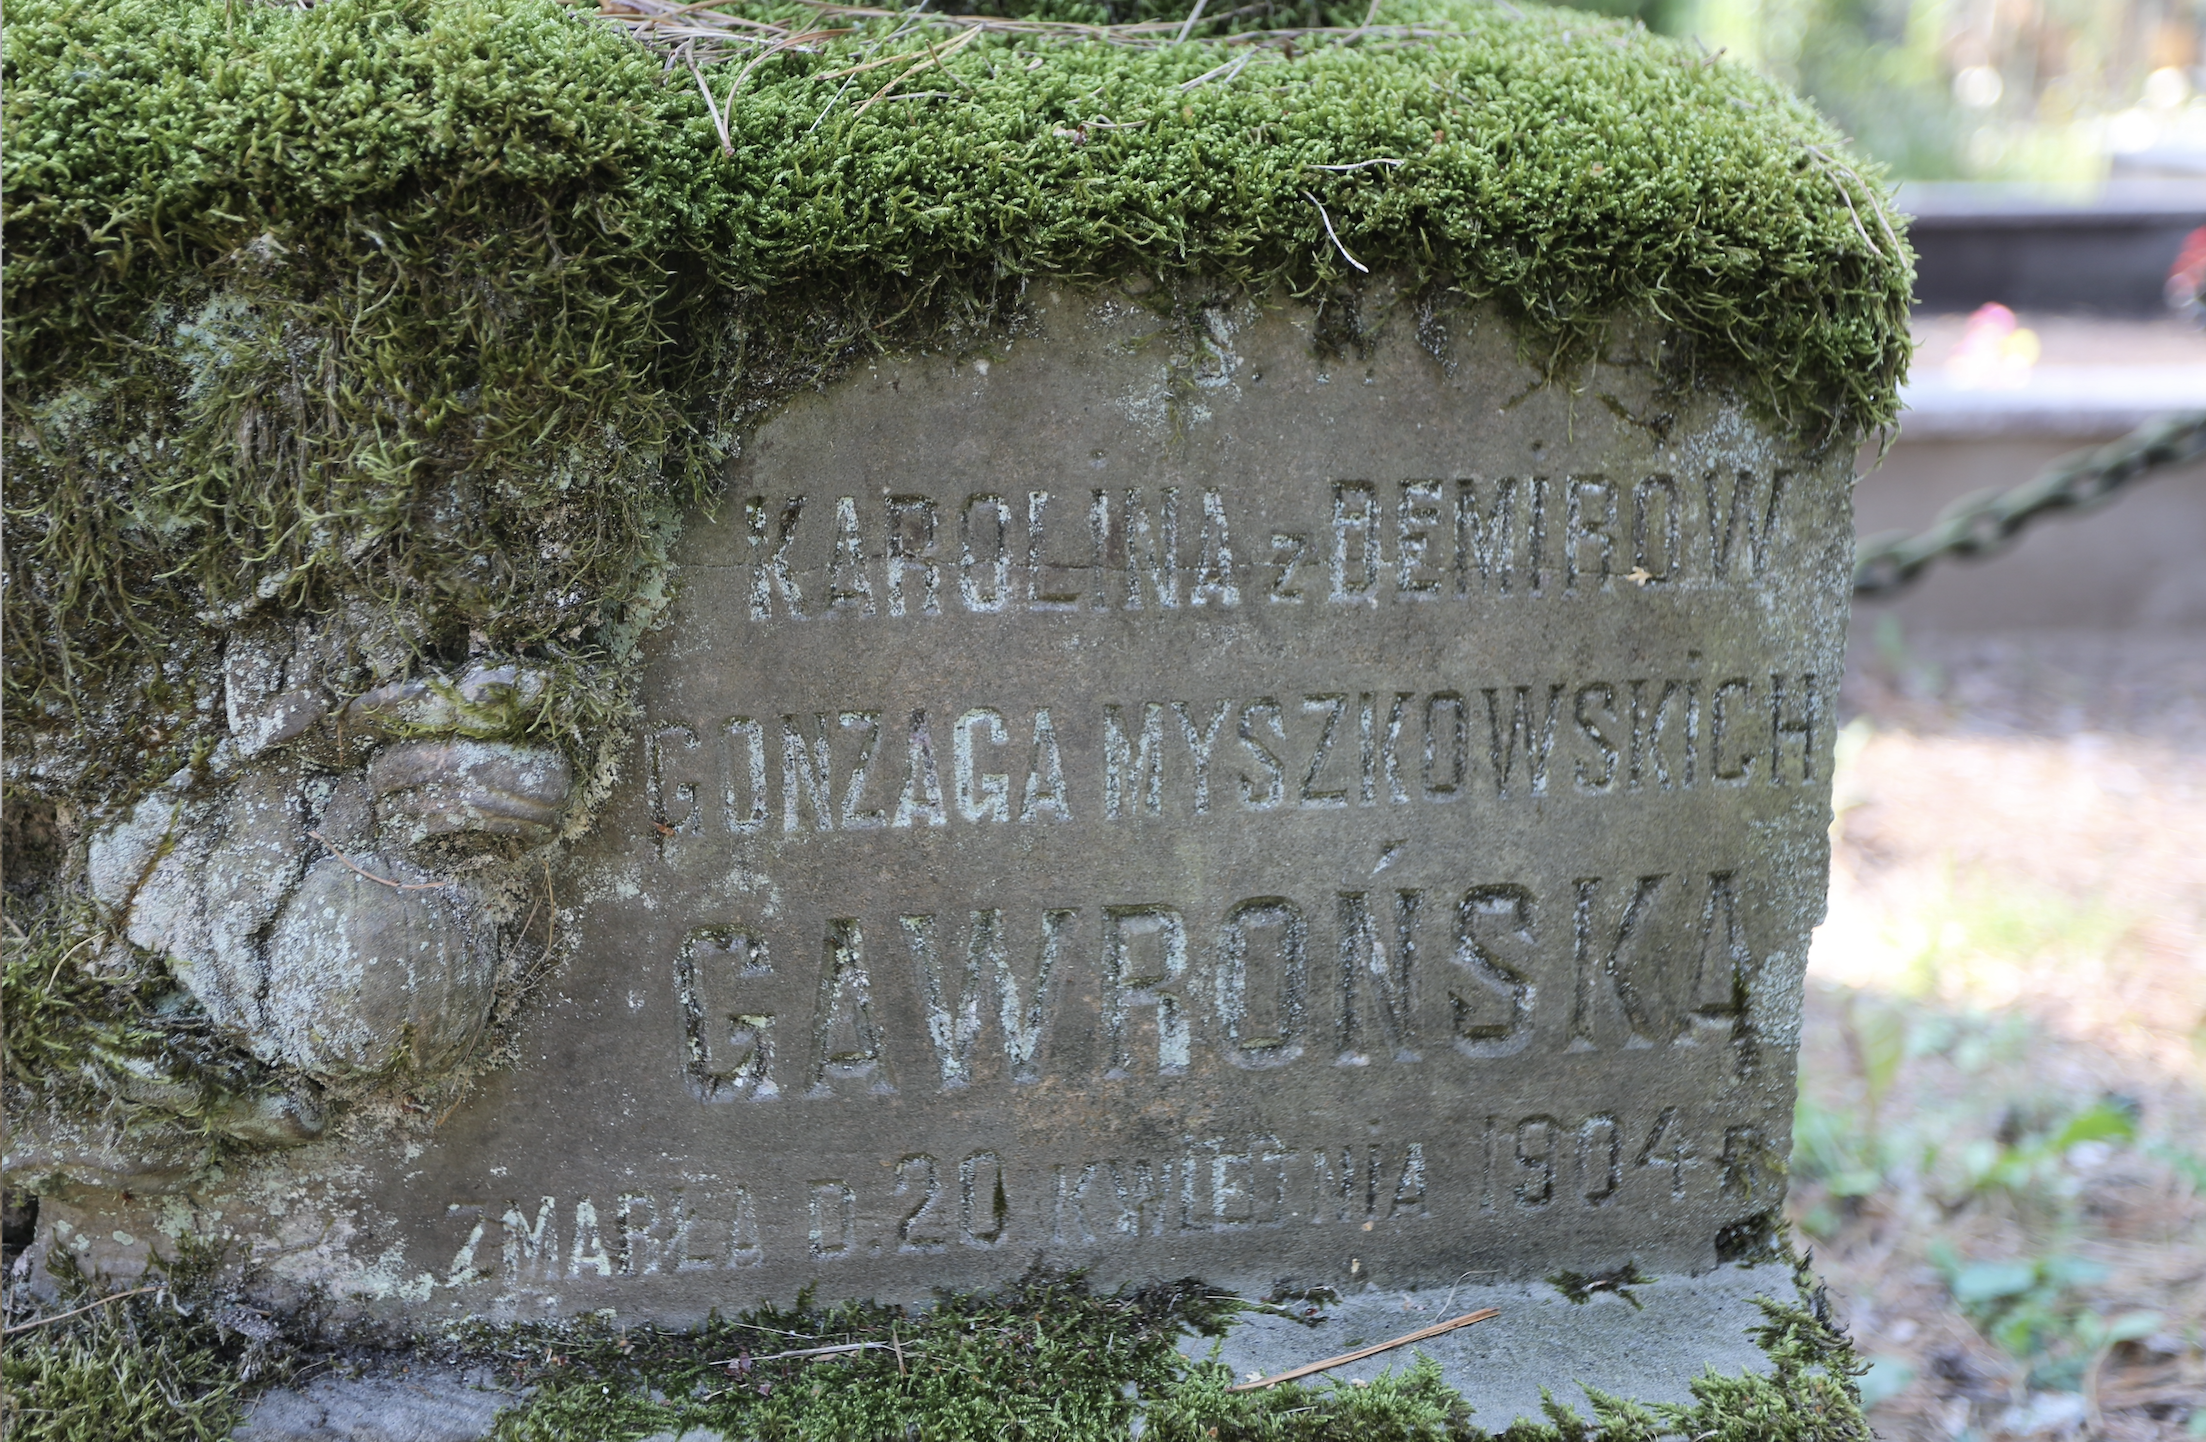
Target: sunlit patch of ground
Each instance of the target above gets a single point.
(2000, 1155)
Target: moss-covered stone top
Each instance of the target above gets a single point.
(438, 302)
(441, 304)
(1567, 166)
(415, 324)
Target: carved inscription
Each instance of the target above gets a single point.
(1357, 822)
(540, 1242)
(848, 770)
(923, 1205)
(1412, 976)
(1170, 548)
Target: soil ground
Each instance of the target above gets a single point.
(2001, 1146)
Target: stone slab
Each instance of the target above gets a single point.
(1682, 1327)
(431, 1407)
(1649, 1353)
(1168, 799)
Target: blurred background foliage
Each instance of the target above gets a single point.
(2050, 91)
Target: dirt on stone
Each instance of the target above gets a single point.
(2000, 1153)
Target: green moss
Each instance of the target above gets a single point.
(1045, 1358)
(1048, 1359)
(99, 1022)
(433, 318)
(1581, 1287)
(149, 1367)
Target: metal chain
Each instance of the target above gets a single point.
(1987, 522)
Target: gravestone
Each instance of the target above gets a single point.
(1167, 800)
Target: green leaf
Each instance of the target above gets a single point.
(1979, 1282)
(1886, 1378)
(2097, 1124)
(2073, 1272)
(2133, 1326)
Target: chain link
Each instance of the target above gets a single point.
(1985, 523)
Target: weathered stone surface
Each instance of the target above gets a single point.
(365, 972)
(422, 705)
(430, 1407)
(1163, 805)
(50, 1143)
(1650, 1347)
(199, 875)
(441, 788)
(313, 906)
(272, 685)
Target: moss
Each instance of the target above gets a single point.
(99, 1022)
(1044, 1358)
(1049, 1359)
(1580, 1287)
(430, 320)
(154, 1367)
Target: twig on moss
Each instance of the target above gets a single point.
(933, 57)
(790, 42)
(864, 65)
(817, 1352)
(1876, 203)
(1220, 73)
(672, 28)
(1333, 235)
(1421, 1334)
(1193, 15)
(76, 1312)
(719, 122)
(1852, 214)
(1362, 164)
(830, 105)
(379, 880)
(626, 9)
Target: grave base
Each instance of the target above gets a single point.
(1681, 1328)
(1632, 1342)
